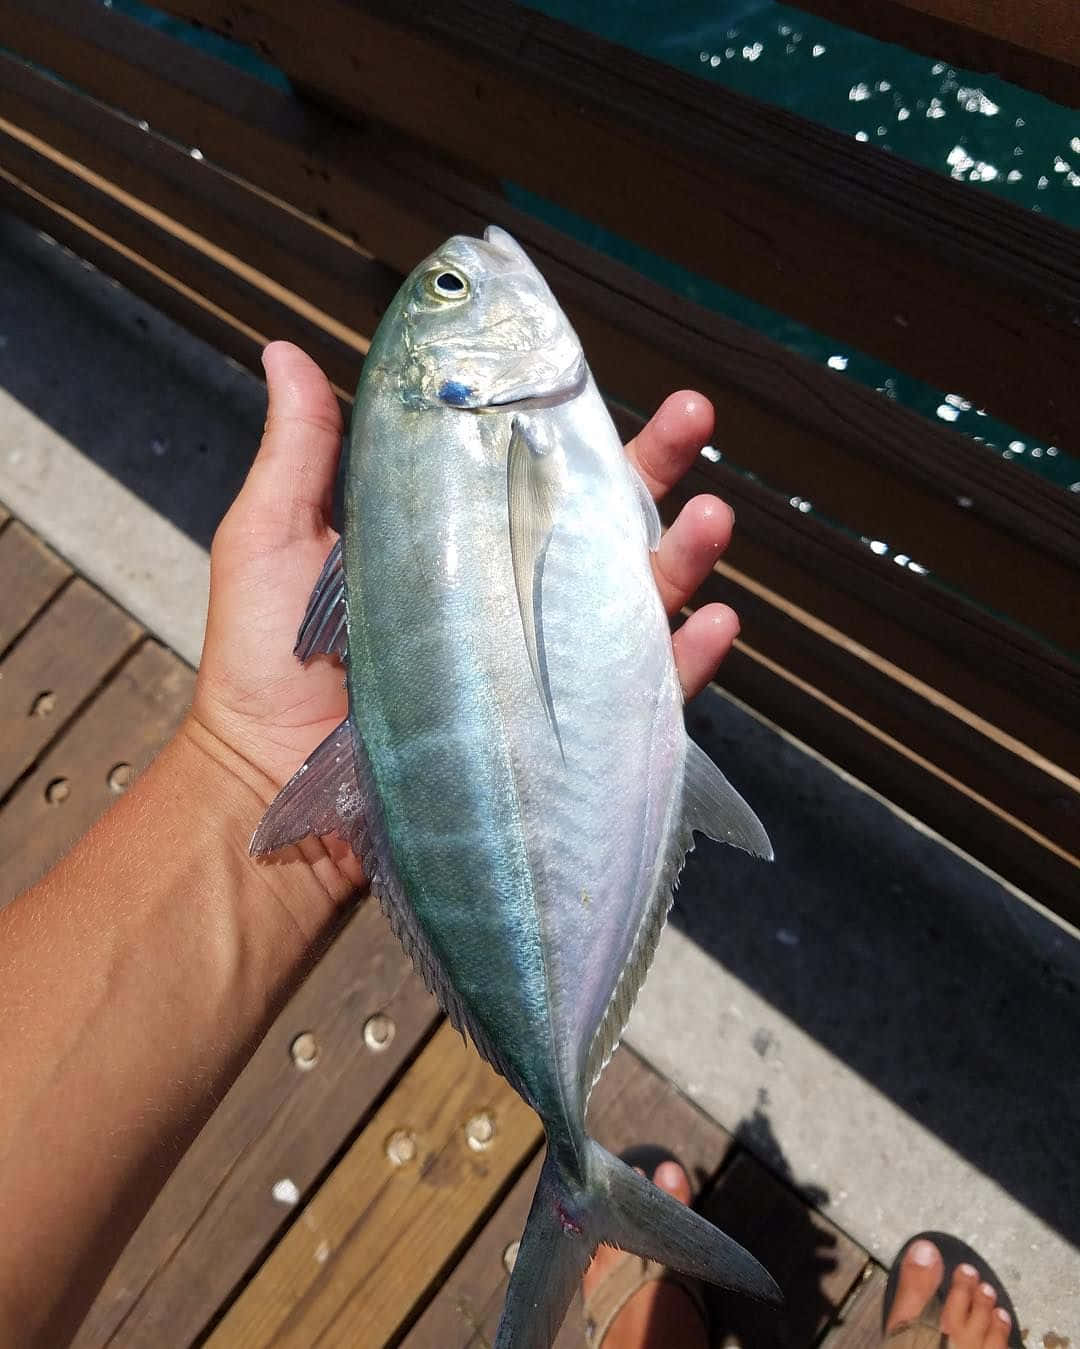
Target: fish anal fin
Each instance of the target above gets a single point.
(534, 488)
(322, 797)
(323, 627)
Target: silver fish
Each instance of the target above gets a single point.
(514, 771)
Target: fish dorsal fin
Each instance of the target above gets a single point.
(649, 513)
(534, 487)
(323, 628)
(709, 805)
(322, 797)
(713, 807)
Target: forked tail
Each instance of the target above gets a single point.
(568, 1221)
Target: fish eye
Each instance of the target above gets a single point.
(447, 285)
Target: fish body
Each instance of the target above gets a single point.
(514, 770)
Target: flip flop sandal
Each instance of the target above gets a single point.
(925, 1331)
(630, 1273)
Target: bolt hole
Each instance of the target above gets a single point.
(305, 1051)
(57, 791)
(44, 704)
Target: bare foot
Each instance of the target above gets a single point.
(970, 1317)
(661, 1314)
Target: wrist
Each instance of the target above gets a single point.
(304, 886)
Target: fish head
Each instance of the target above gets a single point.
(483, 332)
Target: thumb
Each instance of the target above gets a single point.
(290, 485)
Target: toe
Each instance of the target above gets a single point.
(921, 1270)
(983, 1302)
(671, 1177)
(957, 1309)
(997, 1337)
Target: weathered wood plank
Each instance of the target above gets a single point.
(814, 1263)
(32, 575)
(81, 774)
(187, 306)
(54, 667)
(258, 308)
(379, 1231)
(632, 1105)
(955, 286)
(1032, 45)
(317, 271)
(281, 1121)
(858, 1326)
(798, 426)
(851, 444)
(887, 765)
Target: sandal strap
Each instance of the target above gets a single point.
(627, 1276)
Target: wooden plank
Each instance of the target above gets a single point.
(887, 765)
(120, 730)
(637, 345)
(796, 425)
(60, 186)
(58, 663)
(317, 271)
(188, 307)
(963, 289)
(858, 1325)
(379, 1231)
(814, 1263)
(632, 1105)
(1032, 45)
(39, 574)
(218, 1213)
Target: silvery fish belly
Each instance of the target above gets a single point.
(514, 771)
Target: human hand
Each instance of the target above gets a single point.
(266, 711)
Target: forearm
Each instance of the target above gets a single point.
(135, 979)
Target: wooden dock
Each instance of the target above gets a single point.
(364, 1181)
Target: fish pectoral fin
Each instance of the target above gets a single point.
(649, 513)
(713, 807)
(323, 628)
(323, 796)
(534, 488)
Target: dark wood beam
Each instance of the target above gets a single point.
(1035, 45)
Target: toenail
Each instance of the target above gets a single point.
(668, 1175)
(987, 1290)
(1004, 1317)
(922, 1253)
(967, 1271)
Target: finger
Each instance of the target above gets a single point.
(667, 445)
(702, 643)
(292, 478)
(687, 552)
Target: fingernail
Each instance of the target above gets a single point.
(922, 1253)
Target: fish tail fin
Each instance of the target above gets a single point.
(618, 1207)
